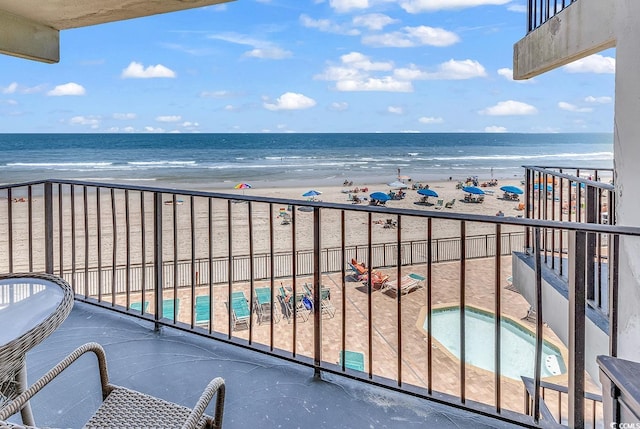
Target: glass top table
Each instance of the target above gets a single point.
(32, 306)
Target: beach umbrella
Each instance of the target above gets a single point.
(512, 190)
(311, 193)
(473, 190)
(379, 196)
(398, 185)
(427, 192)
(242, 186)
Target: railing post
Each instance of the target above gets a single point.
(591, 217)
(317, 314)
(48, 227)
(157, 255)
(577, 249)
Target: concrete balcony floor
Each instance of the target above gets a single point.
(262, 391)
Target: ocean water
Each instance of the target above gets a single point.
(217, 161)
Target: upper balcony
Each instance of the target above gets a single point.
(155, 269)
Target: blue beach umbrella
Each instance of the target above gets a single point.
(311, 193)
(379, 196)
(512, 190)
(473, 190)
(427, 192)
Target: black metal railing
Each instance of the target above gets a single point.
(71, 228)
(540, 11)
(574, 195)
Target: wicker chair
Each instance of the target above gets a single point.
(126, 408)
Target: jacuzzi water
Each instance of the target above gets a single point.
(517, 352)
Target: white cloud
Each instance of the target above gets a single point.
(273, 53)
(507, 73)
(70, 88)
(450, 70)
(592, 64)
(124, 116)
(327, 26)
(291, 101)
(136, 70)
(573, 108)
(11, 89)
(386, 84)
(339, 106)
(342, 6)
(413, 36)
(362, 62)
(598, 100)
(189, 124)
(397, 110)
(417, 6)
(495, 129)
(169, 118)
(430, 120)
(217, 94)
(510, 108)
(92, 121)
(519, 8)
(261, 48)
(373, 21)
(149, 129)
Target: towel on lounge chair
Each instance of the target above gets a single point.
(408, 283)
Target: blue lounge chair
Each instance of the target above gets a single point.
(137, 306)
(168, 307)
(240, 311)
(263, 304)
(203, 310)
(352, 360)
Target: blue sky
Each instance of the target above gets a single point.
(256, 66)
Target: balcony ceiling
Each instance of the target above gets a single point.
(30, 28)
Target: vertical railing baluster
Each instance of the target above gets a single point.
(251, 268)
(271, 278)
(343, 328)
(48, 228)
(174, 199)
(143, 250)
(157, 257)
(85, 202)
(49, 209)
(72, 196)
(229, 269)
(317, 314)
(99, 241)
(429, 307)
(498, 314)
(114, 247)
(192, 220)
(398, 296)
(127, 224)
(369, 297)
(577, 299)
(210, 264)
(10, 229)
(539, 325)
(463, 269)
(614, 261)
(60, 232)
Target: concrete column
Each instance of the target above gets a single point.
(627, 179)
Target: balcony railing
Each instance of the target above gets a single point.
(182, 259)
(540, 11)
(574, 195)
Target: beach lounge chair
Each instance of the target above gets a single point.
(286, 218)
(294, 306)
(439, 204)
(170, 308)
(358, 269)
(202, 310)
(351, 360)
(408, 283)
(262, 304)
(450, 204)
(326, 307)
(240, 312)
(126, 408)
(137, 306)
